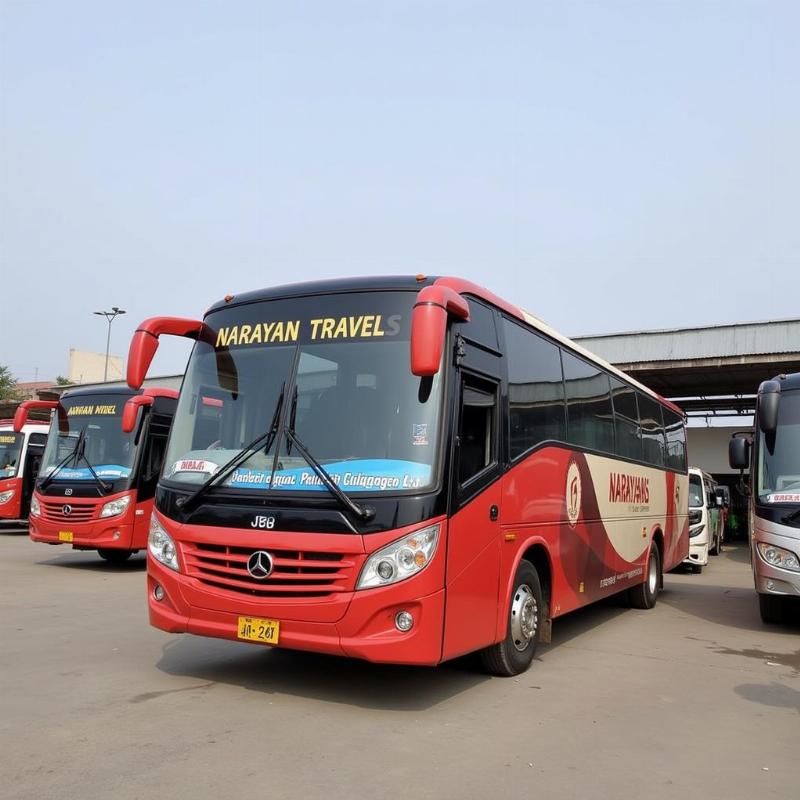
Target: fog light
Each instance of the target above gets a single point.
(770, 585)
(404, 621)
(158, 592)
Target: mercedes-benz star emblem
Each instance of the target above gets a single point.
(259, 565)
(67, 510)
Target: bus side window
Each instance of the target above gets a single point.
(477, 425)
(676, 440)
(653, 438)
(590, 417)
(535, 390)
(626, 420)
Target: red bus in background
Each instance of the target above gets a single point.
(100, 468)
(403, 470)
(20, 457)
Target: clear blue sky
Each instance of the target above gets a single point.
(608, 165)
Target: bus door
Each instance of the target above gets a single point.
(473, 542)
(152, 445)
(30, 469)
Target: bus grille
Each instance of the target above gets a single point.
(77, 512)
(295, 574)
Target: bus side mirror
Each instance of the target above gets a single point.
(145, 343)
(21, 415)
(131, 409)
(769, 398)
(739, 453)
(429, 326)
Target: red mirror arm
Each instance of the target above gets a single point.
(429, 326)
(21, 415)
(131, 409)
(145, 343)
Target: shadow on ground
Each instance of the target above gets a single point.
(89, 561)
(311, 675)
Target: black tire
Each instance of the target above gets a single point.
(515, 652)
(645, 594)
(114, 556)
(717, 548)
(696, 568)
(772, 608)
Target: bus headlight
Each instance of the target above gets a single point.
(6, 496)
(695, 516)
(115, 507)
(778, 557)
(161, 546)
(696, 531)
(400, 560)
(36, 509)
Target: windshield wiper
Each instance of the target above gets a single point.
(362, 512)
(48, 479)
(104, 487)
(189, 500)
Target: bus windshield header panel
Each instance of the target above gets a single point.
(10, 449)
(90, 428)
(335, 370)
(778, 466)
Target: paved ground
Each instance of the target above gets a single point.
(693, 699)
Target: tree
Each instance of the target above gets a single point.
(8, 384)
(62, 381)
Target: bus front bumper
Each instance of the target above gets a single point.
(103, 533)
(366, 630)
(698, 553)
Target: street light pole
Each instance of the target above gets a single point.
(110, 317)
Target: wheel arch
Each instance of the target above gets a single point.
(536, 551)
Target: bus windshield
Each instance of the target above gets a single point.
(107, 449)
(779, 455)
(696, 499)
(10, 449)
(335, 370)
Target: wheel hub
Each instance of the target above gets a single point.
(524, 617)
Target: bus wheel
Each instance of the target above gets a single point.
(646, 593)
(515, 653)
(114, 556)
(717, 549)
(772, 608)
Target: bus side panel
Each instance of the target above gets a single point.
(141, 524)
(597, 516)
(473, 570)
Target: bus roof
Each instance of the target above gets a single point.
(415, 283)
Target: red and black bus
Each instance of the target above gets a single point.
(403, 469)
(100, 468)
(20, 458)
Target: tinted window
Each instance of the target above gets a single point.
(676, 440)
(476, 428)
(626, 420)
(590, 419)
(480, 327)
(535, 389)
(653, 441)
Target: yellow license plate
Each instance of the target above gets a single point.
(65, 536)
(255, 629)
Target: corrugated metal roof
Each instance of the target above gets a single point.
(713, 341)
